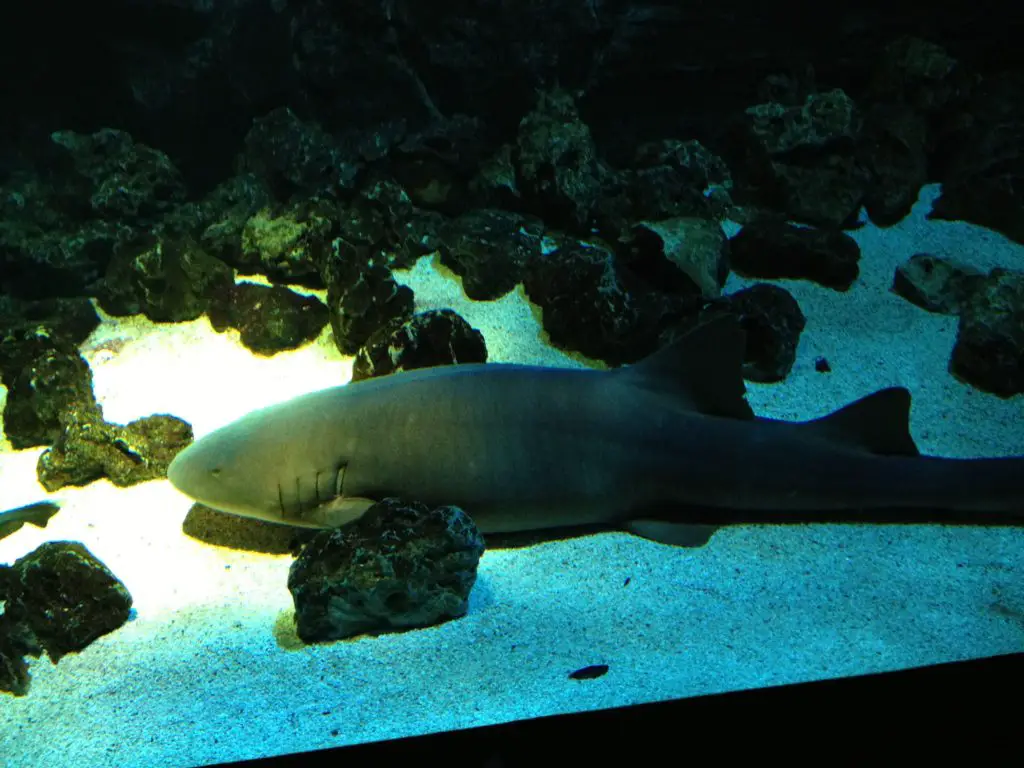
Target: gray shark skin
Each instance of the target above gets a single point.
(659, 447)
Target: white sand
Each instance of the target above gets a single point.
(209, 669)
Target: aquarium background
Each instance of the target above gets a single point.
(208, 668)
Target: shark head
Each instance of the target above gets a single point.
(281, 464)
(218, 472)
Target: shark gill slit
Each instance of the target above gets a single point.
(339, 480)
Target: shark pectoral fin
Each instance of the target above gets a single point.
(676, 534)
(342, 511)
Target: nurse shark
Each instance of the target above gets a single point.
(668, 448)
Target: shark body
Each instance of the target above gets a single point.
(664, 447)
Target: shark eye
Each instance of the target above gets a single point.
(215, 471)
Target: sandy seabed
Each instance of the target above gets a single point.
(208, 669)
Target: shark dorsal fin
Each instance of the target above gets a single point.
(878, 423)
(702, 369)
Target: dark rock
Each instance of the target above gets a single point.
(167, 280)
(823, 120)
(936, 284)
(53, 256)
(289, 247)
(491, 250)
(354, 74)
(269, 318)
(50, 402)
(194, 75)
(803, 160)
(90, 448)
(772, 250)
(915, 95)
(383, 219)
(16, 642)
(298, 158)
(673, 178)
(365, 220)
(365, 224)
(71, 597)
(989, 349)
(362, 296)
(435, 337)
(129, 182)
(70, 320)
(380, 224)
(919, 74)
(593, 306)
(218, 219)
(615, 211)
(983, 180)
(495, 184)
(416, 235)
(399, 566)
(63, 219)
(558, 172)
(435, 165)
(770, 318)
(48, 382)
(773, 322)
(684, 255)
(58, 599)
(895, 152)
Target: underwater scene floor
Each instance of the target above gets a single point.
(209, 668)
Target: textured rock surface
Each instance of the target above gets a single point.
(88, 450)
(936, 284)
(57, 599)
(48, 382)
(269, 318)
(989, 350)
(435, 337)
(780, 250)
(400, 566)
